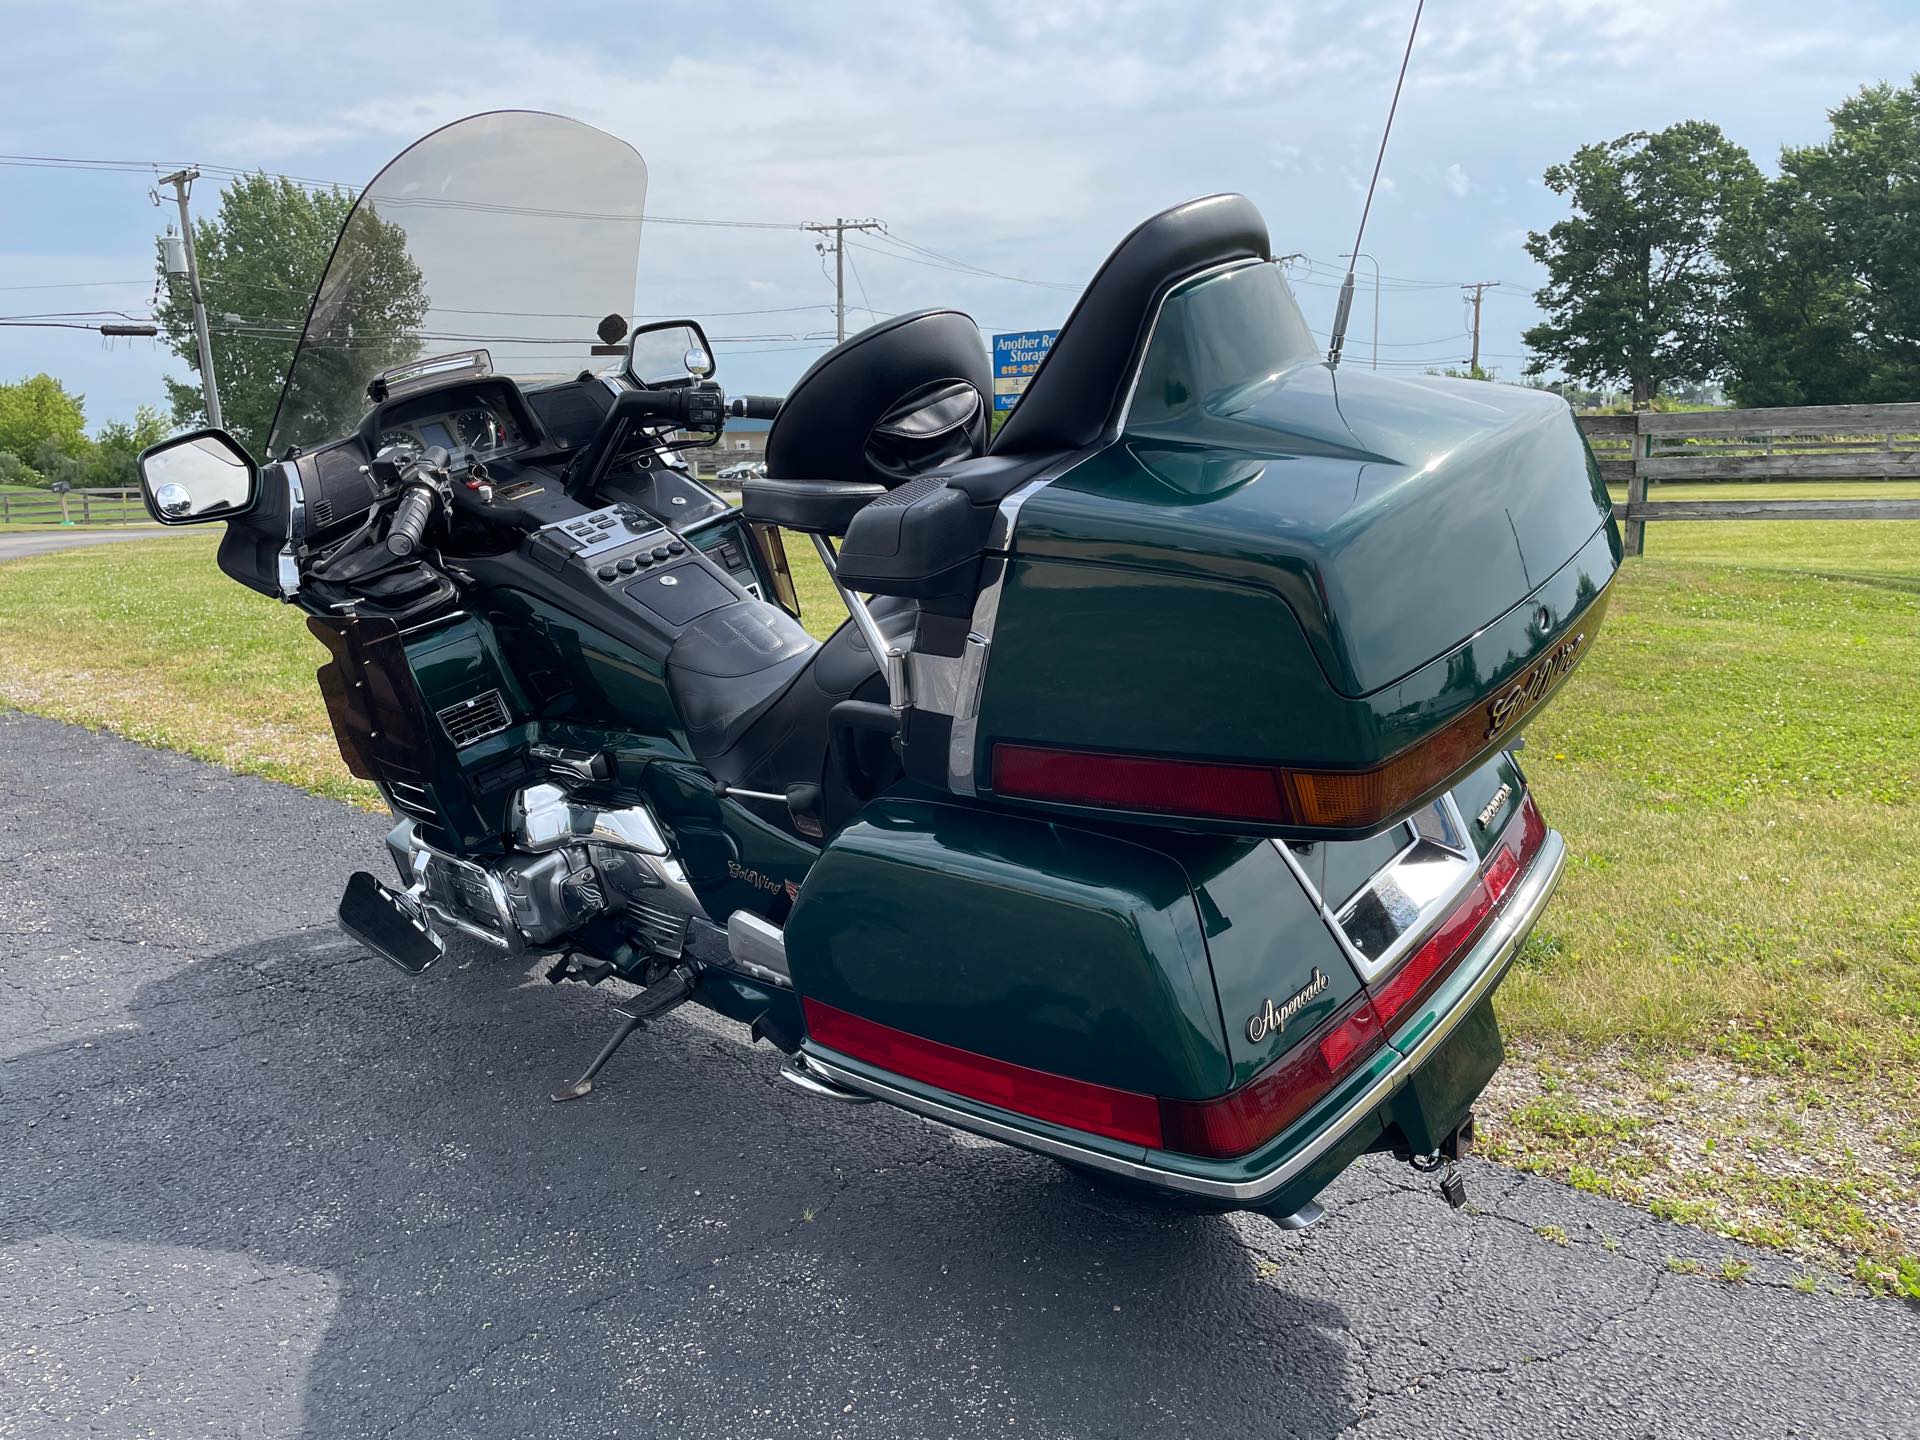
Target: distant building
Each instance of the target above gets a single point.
(742, 440)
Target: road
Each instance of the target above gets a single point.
(256, 1183)
(18, 544)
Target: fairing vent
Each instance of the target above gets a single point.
(472, 721)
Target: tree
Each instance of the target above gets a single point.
(1635, 292)
(1825, 298)
(37, 411)
(56, 462)
(15, 471)
(112, 460)
(260, 258)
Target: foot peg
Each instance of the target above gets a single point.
(389, 923)
(674, 988)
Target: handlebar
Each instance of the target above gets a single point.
(422, 475)
(754, 407)
(410, 520)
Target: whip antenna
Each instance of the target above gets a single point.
(1346, 288)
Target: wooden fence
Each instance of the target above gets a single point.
(1805, 443)
(82, 507)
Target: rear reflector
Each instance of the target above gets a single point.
(1077, 1104)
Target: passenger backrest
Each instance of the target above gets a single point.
(1077, 393)
(897, 400)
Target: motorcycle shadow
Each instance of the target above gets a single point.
(300, 1194)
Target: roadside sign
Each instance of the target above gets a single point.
(1015, 358)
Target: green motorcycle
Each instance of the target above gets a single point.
(1155, 808)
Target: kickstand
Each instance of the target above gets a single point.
(584, 1085)
(658, 998)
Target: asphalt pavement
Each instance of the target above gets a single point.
(18, 544)
(254, 1182)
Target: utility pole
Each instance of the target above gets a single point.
(1362, 255)
(837, 247)
(1479, 288)
(182, 182)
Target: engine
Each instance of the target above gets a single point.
(570, 864)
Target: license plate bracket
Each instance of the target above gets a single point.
(1431, 1105)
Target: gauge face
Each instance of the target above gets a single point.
(396, 437)
(479, 430)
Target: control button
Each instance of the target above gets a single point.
(675, 547)
(644, 560)
(625, 565)
(607, 572)
(660, 552)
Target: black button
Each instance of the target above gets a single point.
(660, 552)
(626, 565)
(607, 572)
(674, 547)
(644, 560)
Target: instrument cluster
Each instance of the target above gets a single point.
(468, 427)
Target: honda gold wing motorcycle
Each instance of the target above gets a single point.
(1155, 806)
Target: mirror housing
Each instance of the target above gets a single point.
(669, 352)
(200, 476)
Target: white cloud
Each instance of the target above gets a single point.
(1455, 179)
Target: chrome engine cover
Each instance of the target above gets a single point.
(572, 863)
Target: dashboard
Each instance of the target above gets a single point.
(469, 422)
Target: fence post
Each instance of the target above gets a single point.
(1634, 537)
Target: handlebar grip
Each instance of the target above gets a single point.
(410, 520)
(755, 407)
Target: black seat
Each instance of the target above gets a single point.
(755, 690)
(926, 540)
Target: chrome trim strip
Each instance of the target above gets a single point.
(970, 679)
(287, 572)
(1500, 945)
(759, 947)
(1367, 969)
(801, 1074)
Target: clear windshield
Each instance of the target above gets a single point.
(515, 232)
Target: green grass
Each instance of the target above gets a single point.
(1718, 1018)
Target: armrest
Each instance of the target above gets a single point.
(819, 507)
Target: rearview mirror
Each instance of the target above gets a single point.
(672, 352)
(196, 477)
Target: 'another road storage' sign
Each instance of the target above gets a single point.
(1015, 358)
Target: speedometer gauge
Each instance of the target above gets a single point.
(479, 430)
(396, 437)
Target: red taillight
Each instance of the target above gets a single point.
(1077, 1104)
(1264, 794)
(1245, 1120)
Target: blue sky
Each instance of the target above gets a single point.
(1020, 136)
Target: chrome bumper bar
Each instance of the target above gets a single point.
(1493, 955)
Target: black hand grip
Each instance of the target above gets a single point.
(755, 407)
(410, 519)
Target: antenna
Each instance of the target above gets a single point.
(1346, 289)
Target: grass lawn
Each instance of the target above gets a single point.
(1719, 1017)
